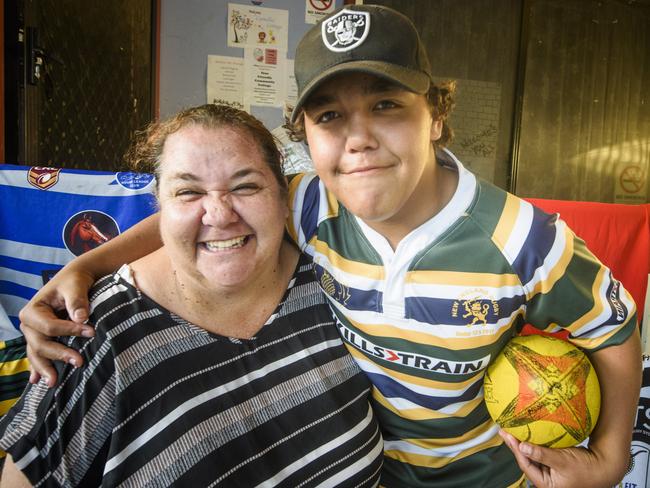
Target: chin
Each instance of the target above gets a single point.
(225, 278)
(369, 205)
(370, 213)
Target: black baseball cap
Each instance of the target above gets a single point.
(363, 38)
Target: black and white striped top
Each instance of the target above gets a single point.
(162, 402)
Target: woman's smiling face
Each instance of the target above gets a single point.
(222, 211)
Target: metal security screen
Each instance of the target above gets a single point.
(87, 81)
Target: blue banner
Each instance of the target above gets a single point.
(50, 215)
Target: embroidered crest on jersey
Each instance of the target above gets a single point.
(336, 290)
(43, 177)
(346, 30)
(475, 307)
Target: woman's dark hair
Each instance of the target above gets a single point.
(148, 144)
(440, 98)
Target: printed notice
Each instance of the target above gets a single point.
(631, 183)
(257, 27)
(264, 77)
(225, 81)
(317, 9)
(290, 84)
(631, 170)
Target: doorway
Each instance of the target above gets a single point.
(79, 79)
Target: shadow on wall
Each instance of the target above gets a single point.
(625, 164)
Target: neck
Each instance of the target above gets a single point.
(234, 312)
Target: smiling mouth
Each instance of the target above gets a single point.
(365, 170)
(226, 244)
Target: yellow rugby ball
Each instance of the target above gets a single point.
(544, 391)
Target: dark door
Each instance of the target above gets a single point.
(79, 79)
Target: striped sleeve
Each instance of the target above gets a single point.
(14, 373)
(566, 286)
(310, 204)
(60, 436)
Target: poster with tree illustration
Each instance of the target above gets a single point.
(257, 26)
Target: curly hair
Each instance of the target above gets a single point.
(148, 144)
(441, 101)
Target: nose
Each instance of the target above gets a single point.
(360, 135)
(218, 210)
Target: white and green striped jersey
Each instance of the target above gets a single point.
(423, 321)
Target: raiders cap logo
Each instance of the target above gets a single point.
(345, 30)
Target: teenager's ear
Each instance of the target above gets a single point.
(436, 130)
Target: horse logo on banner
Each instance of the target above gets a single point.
(88, 229)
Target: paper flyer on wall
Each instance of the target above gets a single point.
(264, 77)
(631, 182)
(225, 81)
(290, 86)
(250, 26)
(315, 10)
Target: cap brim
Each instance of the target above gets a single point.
(412, 80)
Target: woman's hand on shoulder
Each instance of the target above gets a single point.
(41, 320)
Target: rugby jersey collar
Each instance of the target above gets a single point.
(429, 231)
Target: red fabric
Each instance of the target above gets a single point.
(618, 234)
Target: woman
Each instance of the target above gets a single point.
(215, 359)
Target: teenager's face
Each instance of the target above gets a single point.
(371, 143)
(222, 211)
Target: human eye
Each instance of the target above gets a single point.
(327, 116)
(245, 189)
(386, 104)
(187, 194)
